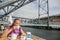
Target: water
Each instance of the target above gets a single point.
(46, 34)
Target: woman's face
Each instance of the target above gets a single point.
(16, 23)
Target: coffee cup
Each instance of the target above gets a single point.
(13, 36)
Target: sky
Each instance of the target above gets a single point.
(31, 10)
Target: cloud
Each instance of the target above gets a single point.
(54, 8)
(54, 5)
(27, 11)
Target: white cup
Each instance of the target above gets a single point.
(13, 36)
(23, 37)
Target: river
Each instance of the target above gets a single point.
(46, 34)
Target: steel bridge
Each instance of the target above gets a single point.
(30, 22)
(9, 6)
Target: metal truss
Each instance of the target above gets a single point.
(43, 8)
(12, 5)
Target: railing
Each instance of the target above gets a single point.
(56, 23)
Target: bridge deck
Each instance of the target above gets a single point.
(27, 24)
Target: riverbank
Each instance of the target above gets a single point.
(43, 27)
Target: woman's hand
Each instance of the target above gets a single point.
(14, 27)
(6, 32)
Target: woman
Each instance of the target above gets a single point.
(13, 29)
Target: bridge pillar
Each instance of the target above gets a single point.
(43, 9)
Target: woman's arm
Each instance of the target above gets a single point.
(6, 32)
(22, 32)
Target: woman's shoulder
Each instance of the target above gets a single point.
(20, 27)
